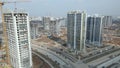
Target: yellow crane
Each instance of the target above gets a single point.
(4, 47)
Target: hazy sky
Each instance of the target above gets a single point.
(61, 7)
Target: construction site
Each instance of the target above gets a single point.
(48, 46)
(111, 35)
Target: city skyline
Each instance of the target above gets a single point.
(60, 34)
(60, 8)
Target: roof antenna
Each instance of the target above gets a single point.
(15, 6)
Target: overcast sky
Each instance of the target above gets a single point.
(59, 8)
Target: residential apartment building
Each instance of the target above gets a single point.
(107, 21)
(46, 24)
(36, 27)
(53, 24)
(76, 30)
(18, 32)
(94, 30)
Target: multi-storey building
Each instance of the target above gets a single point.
(58, 26)
(63, 22)
(51, 25)
(107, 21)
(46, 23)
(1, 34)
(36, 26)
(94, 30)
(76, 30)
(55, 26)
(53, 22)
(18, 32)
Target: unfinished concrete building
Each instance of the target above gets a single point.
(107, 21)
(52, 26)
(18, 32)
(36, 27)
(55, 26)
(46, 24)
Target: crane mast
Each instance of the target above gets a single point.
(4, 48)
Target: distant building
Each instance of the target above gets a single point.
(107, 21)
(76, 30)
(63, 22)
(35, 26)
(94, 30)
(46, 23)
(18, 32)
(1, 34)
(53, 24)
(58, 25)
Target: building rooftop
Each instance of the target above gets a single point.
(75, 11)
(16, 11)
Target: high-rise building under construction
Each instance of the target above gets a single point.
(18, 38)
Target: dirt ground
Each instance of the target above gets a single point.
(39, 63)
(115, 41)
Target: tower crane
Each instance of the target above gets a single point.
(4, 46)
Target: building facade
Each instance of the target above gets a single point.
(53, 23)
(18, 32)
(46, 24)
(52, 26)
(36, 27)
(55, 26)
(94, 30)
(76, 30)
(107, 21)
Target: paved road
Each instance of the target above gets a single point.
(64, 54)
(55, 57)
(104, 58)
(60, 58)
(97, 56)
